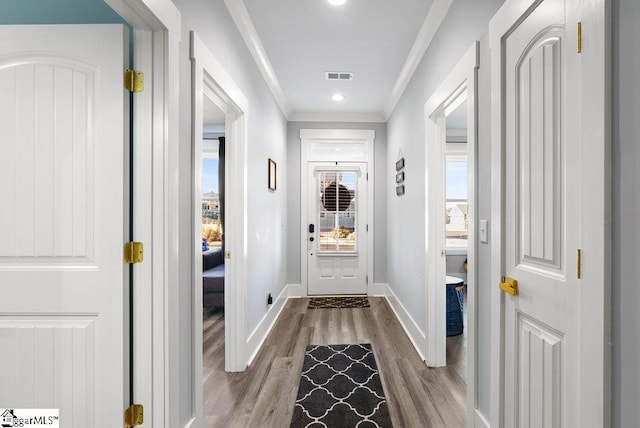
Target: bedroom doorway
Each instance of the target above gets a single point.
(212, 155)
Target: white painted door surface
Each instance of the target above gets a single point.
(336, 228)
(62, 221)
(542, 220)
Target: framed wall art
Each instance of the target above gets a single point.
(272, 179)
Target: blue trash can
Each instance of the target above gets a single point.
(455, 323)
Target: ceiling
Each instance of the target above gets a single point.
(380, 41)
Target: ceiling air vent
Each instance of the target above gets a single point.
(339, 75)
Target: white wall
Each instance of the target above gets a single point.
(626, 211)
(380, 198)
(266, 237)
(466, 22)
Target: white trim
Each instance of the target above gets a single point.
(243, 21)
(156, 15)
(432, 22)
(260, 333)
(338, 134)
(416, 335)
(479, 421)
(307, 136)
(337, 117)
(461, 82)
(157, 30)
(210, 78)
(595, 179)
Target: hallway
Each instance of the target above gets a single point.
(263, 395)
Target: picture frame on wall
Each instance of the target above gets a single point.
(272, 176)
(400, 164)
(400, 177)
(400, 190)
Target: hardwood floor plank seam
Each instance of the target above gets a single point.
(264, 394)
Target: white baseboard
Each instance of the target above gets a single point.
(480, 421)
(258, 336)
(416, 335)
(377, 289)
(296, 290)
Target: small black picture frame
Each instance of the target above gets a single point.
(400, 190)
(400, 177)
(400, 164)
(272, 179)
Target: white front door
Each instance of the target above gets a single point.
(542, 219)
(336, 228)
(62, 221)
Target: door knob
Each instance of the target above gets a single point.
(509, 286)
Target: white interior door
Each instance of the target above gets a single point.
(336, 228)
(62, 221)
(542, 220)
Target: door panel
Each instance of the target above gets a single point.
(337, 202)
(541, 221)
(62, 221)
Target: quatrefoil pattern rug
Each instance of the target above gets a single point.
(340, 387)
(339, 302)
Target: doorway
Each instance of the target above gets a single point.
(336, 211)
(457, 235)
(212, 84)
(450, 118)
(155, 39)
(212, 205)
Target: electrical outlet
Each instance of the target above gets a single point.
(269, 299)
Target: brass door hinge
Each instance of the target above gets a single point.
(133, 252)
(578, 263)
(134, 415)
(579, 37)
(133, 80)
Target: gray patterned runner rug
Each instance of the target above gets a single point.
(339, 302)
(340, 387)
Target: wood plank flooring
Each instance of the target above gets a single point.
(264, 394)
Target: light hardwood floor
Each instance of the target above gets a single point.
(264, 394)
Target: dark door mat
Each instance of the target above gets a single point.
(340, 387)
(339, 302)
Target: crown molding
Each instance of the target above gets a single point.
(429, 28)
(337, 117)
(241, 18)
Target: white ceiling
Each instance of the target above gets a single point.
(377, 40)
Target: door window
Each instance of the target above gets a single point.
(337, 211)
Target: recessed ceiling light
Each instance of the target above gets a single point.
(337, 97)
(337, 2)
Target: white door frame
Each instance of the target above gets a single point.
(595, 179)
(460, 82)
(157, 29)
(311, 137)
(210, 78)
